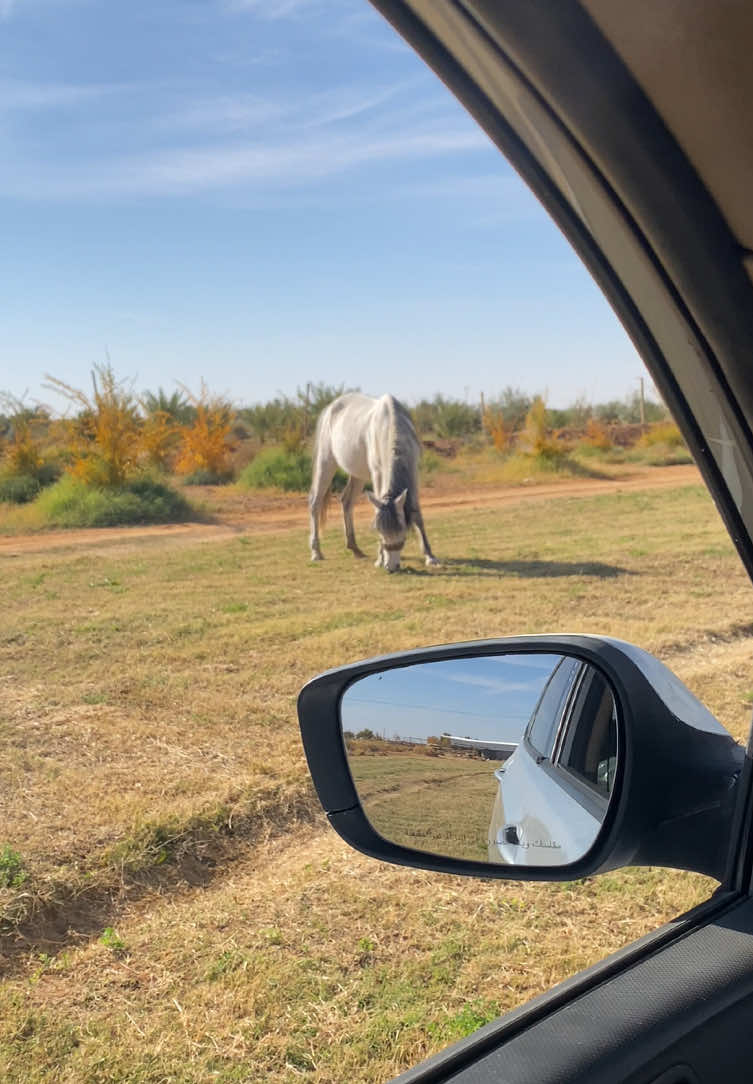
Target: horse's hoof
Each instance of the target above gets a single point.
(432, 562)
(358, 553)
(317, 557)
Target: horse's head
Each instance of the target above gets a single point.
(392, 525)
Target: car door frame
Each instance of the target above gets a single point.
(553, 95)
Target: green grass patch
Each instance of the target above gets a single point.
(12, 872)
(113, 941)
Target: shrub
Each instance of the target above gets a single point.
(275, 468)
(159, 439)
(205, 477)
(596, 435)
(430, 462)
(497, 428)
(205, 443)
(74, 503)
(536, 441)
(18, 488)
(446, 417)
(513, 405)
(22, 455)
(24, 464)
(665, 433)
(105, 436)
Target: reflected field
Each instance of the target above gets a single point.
(432, 799)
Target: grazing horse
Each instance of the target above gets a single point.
(369, 438)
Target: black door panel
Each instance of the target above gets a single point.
(685, 1009)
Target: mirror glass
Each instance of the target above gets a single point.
(501, 758)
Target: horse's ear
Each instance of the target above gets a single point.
(400, 501)
(373, 499)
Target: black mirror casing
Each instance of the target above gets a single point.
(673, 796)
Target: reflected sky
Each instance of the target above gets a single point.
(487, 698)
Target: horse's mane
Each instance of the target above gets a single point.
(405, 453)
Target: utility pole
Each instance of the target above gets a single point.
(642, 401)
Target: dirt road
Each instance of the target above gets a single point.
(233, 513)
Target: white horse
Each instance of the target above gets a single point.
(369, 438)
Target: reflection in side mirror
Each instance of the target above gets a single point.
(508, 759)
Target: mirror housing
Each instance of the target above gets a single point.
(673, 795)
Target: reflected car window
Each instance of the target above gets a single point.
(589, 749)
(543, 726)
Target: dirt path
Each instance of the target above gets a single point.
(236, 513)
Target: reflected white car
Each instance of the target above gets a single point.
(553, 792)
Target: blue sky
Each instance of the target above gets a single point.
(262, 193)
(485, 698)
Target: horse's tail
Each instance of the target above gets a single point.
(321, 511)
(324, 506)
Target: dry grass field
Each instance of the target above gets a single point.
(173, 906)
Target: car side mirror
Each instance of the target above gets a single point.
(538, 758)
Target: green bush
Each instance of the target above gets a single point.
(18, 488)
(203, 477)
(446, 417)
(72, 503)
(274, 468)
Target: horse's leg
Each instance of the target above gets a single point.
(353, 490)
(324, 471)
(418, 522)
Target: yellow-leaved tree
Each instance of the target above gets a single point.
(206, 444)
(105, 434)
(22, 449)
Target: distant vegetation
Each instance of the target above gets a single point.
(116, 454)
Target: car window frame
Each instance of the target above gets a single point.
(664, 258)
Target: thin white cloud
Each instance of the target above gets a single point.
(182, 171)
(272, 9)
(222, 114)
(346, 105)
(6, 9)
(20, 95)
(497, 685)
